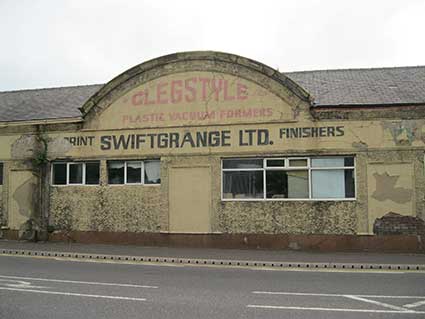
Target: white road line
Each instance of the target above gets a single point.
(74, 294)
(415, 304)
(332, 295)
(333, 309)
(382, 304)
(80, 282)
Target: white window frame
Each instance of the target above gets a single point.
(68, 164)
(125, 172)
(286, 167)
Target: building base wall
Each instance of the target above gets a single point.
(370, 243)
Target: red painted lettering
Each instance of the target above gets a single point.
(160, 92)
(217, 86)
(204, 82)
(137, 99)
(191, 91)
(226, 95)
(241, 92)
(176, 91)
(147, 101)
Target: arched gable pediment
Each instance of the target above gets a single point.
(196, 88)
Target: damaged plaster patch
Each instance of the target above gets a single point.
(386, 189)
(24, 197)
(58, 147)
(23, 147)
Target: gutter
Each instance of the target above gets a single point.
(68, 120)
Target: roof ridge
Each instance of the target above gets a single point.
(359, 69)
(51, 88)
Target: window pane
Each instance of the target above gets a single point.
(134, 172)
(348, 161)
(92, 173)
(297, 162)
(1, 173)
(297, 184)
(152, 172)
(287, 184)
(349, 184)
(243, 163)
(76, 173)
(59, 174)
(328, 183)
(275, 163)
(245, 184)
(327, 162)
(276, 184)
(116, 172)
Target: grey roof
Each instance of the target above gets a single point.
(349, 87)
(43, 104)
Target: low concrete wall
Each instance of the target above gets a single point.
(398, 243)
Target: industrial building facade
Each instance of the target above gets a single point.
(213, 149)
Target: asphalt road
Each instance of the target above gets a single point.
(47, 288)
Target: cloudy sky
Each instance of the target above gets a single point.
(48, 43)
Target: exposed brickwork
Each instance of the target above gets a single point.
(396, 224)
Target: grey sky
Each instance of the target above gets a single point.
(59, 43)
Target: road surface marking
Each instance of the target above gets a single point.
(415, 304)
(332, 295)
(19, 284)
(80, 282)
(74, 294)
(382, 304)
(334, 309)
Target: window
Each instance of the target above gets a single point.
(75, 173)
(1, 173)
(308, 178)
(134, 172)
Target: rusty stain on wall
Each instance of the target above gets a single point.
(386, 189)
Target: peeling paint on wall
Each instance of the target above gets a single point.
(405, 132)
(386, 189)
(23, 147)
(25, 198)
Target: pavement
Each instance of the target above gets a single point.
(159, 254)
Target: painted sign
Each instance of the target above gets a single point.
(201, 138)
(195, 98)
